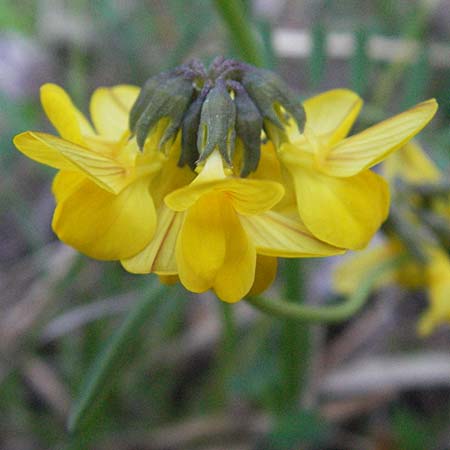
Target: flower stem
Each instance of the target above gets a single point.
(242, 32)
(294, 345)
(327, 314)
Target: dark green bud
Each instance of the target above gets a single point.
(189, 128)
(267, 91)
(249, 123)
(170, 99)
(217, 121)
(144, 98)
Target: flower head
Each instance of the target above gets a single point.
(209, 175)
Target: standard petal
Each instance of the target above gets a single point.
(62, 113)
(248, 196)
(331, 115)
(253, 196)
(365, 149)
(275, 234)
(265, 273)
(345, 212)
(103, 225)
(237, 274)
(110, 108)
(61, 154)
(159, 255)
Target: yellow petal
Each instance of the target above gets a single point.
(352, 270)
(411, 164)
(237, 274)
(202, 241)
(32, 147)
(345, 212)
(110, 108)
(331, 115)
(65, 117)
(65, 183)
(61, 154)
(365, 149)
(213, 250)
(103, 225)
(275, 234)
(438, 277)
(269, 165)
(159, 255)
(265, 273)
(247, 196)
(186, 273)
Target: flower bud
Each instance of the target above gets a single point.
(217, 121)
(169, 98)
(189, 128)
(269, 92)
(248, 128)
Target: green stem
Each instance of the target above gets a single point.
(242, 32)
(116, 354)
(327, 314)
(294, 345)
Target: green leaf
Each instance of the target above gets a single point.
(104, 370)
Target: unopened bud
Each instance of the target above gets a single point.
(248, 128)
(169, 100)
(189, 128)
(217, 121)
(269, 92)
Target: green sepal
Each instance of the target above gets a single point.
(170, 99)
(249, 124)
(268, 90)
(217, 121)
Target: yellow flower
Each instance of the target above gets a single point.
(438, 281)
(224, 235)
(104, 207)
(409, 164)
(339, 199)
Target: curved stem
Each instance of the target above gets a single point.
(242, 32)
(327, 314)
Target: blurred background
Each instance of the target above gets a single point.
(369, 383)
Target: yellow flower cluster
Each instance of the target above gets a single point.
(313, 193)
(410, 165)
